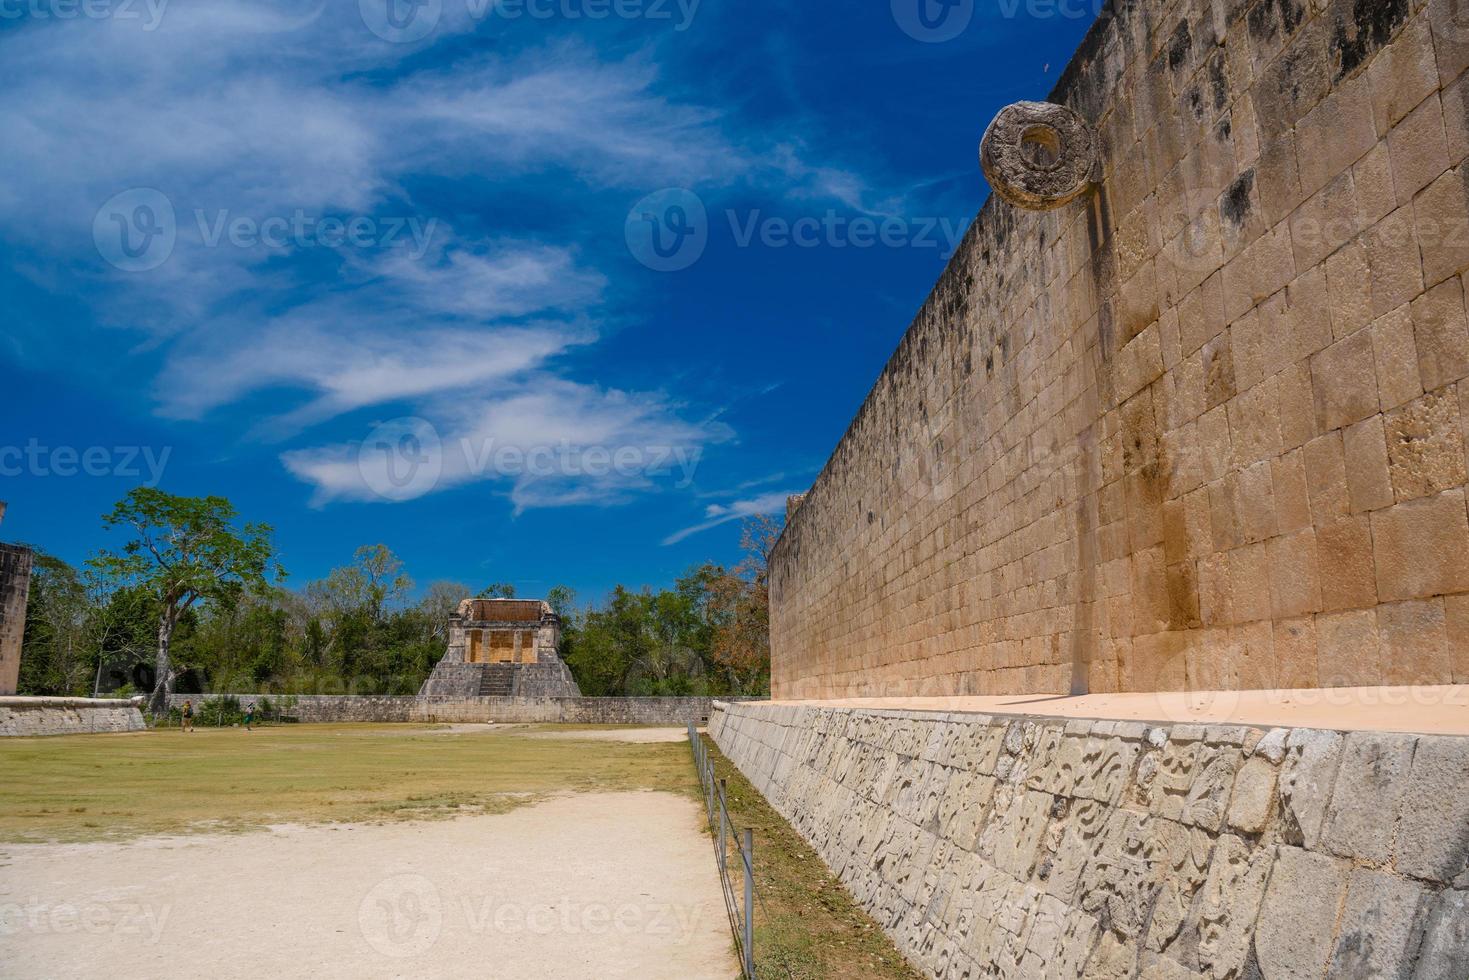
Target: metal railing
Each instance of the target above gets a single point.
(717, 808)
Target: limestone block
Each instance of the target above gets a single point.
(1081, 842)
(1115, 886)
(1349, 290)
(1326, 478)
(1433, 827)
(1209, 795)
(1419, 149)
(1344, 381)
(965, 807)
(1178, 860)
(1419, 547)
(1444, 954)
(1230, 903)
(1306, 780)
(1368, 484)
(1012, 838)
(1253, 800)
(1425, 444)
(1414, 643)
(1437, 210)
(1441, 334)
(1272, 745)
(1347, 562)
(1298, 916)
(1106, 766)
(1377, 926)
(1364, 803)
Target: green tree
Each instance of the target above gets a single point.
(562, 600)
(56, 657)
(439, 602)
(739, 604)
(373, 582)
(497, 590)
(185, 550)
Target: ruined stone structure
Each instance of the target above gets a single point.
(384, 708)
(26, 717)
(1203, 426)
(503, 648)
(15, 585)
(1025, 848)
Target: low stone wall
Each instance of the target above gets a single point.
(326, 708)
(67, 716)
(990, 846)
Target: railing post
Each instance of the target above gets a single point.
(723, 826)
(750, 903)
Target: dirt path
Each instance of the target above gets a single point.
(592, 885)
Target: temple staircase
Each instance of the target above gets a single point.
(497, 680)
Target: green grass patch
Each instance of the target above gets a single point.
(167, 782)
(807, 927)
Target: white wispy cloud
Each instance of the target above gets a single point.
(717, 514)
(231, 109)
(548, 443)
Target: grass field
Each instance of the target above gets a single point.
(118, 787)
(806, 925)
(105, 787)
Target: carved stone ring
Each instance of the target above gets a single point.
(1038, 155)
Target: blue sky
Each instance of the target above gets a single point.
(540, 291)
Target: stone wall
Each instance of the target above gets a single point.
(15, 581)
(1203, 427)
(547, 679)
(1053, 849)
(67, 716)
(326, 708)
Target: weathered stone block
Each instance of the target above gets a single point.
(1298, 916)
(1444, 954)
(1441, 334)
(1425, 445)
(1364, 804)
(1377, 926)
(1433, 828)
(1306, 780)
(1419, 547)
(1344, 380)
(1254, 796)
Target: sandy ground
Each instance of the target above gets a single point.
(638, 735)
(1442, 710)
(592, 885)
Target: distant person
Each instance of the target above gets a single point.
(249, 715)
(188, 716)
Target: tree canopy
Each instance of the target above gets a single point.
(182, 550)
(194, 601)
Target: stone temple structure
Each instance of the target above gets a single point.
(15, 581)
(1187, 411)
(503, 648)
